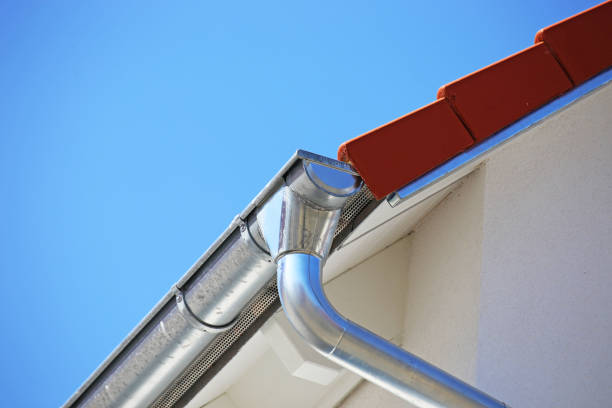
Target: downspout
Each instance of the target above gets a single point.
(298, 223)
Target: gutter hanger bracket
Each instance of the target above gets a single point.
(194, 321)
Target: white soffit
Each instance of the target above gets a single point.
(234, 369)
(384, 226)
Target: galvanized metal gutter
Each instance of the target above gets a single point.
(203, 304)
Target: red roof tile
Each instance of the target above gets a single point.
(484, 102)
(492, 98)
(402, 150)
(582, 43)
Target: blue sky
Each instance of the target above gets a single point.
(132, 133)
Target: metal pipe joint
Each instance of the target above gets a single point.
(303, 214)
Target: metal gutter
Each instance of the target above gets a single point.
(205, 302)
(454, 169)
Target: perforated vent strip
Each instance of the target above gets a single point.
(353, 212)
(258, 306)
(353, 207)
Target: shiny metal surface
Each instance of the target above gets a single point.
(210, 296)
(229, 279)
(150, 365)
(359, 350)
(207, 305)
(279, 179)
(323, 186)
(480, 151)
(290, 223)
(195, 322)
(303, 215)
(226, 344)
(334, 182)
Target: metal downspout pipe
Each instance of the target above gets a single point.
(298, 223)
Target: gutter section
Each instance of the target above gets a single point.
(198, 309)
(206, 306)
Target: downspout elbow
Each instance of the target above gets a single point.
(361, 351)
(306, 306)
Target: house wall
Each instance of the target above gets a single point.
(509, 279)
(545, 331)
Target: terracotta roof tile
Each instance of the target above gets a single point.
(478, 105)
(402, 150)
(582, 43)
(492, 98)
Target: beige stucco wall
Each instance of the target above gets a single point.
(441, 318)
(509, 279)
(545, 332)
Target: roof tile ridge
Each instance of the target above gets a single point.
(556, 57)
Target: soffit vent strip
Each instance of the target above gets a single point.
(266, 301)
